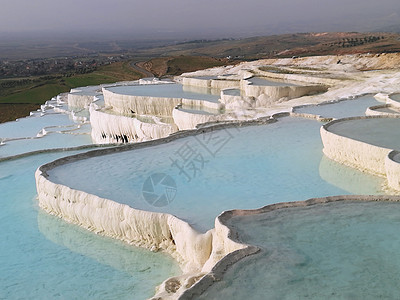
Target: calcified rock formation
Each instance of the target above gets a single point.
(212, 83)
(110, 128)
(274, 93)
(143, 105)
(312, 75)
(196, 252)
(80, 101)
(260, 95)
(213, 252)
(375, 158)
(390, 108)
(119, 129)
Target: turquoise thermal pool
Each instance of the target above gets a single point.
(342, 109)
(395, 97)
(339, 250)
(388, 110)
(203, 111)
(232, 92)
(166, 91)
(257, 165)
(45, 129)
(374, 131)
(42, 257)
(234, 167)
(50, 141)
(31, 126)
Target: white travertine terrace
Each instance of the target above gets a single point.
(275, 93)
(110, 128)
(143, 105)
(211, 83)
(262, 95)
(359, 154)
(79, 100)
(186, 120)
(213, 252)
(392, 166)
(121, 129)
(391, 108)
(196, 252)
(299, 78)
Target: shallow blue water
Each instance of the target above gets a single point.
(245, 167)
(166, 91)
(342, 109)
(203, 111)
(381, 132)
(232, 92)
(343, 250)
(60, 131)
(30, 126)
(42, 257)
(395, 97)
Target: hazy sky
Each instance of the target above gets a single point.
(207, 17)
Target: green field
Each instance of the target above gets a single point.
(44, 88)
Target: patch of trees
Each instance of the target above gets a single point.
(16, 83)
(353, 42)
(53, 66)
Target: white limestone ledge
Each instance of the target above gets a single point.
(298, 78)
(200, 104)
(196, 252)
(392, 165)
(142, 105)
(383, 110)
(155, 231)
(319, 118)
(215, 83)
(381, 97)
(266, 94)
(111, 128)
(78, 100)
(187, 120)
(146, 105)
(391, 108)
(361, 155)
(393, 100)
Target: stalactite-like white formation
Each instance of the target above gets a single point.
(79, 100)
(111, 128)
(214, 250)
(196, 252)
(142, 105)
(185, 120)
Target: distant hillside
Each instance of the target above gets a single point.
(17, 85)
(287, 45)
(241, 49)
(177, 65)
(278, 46)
